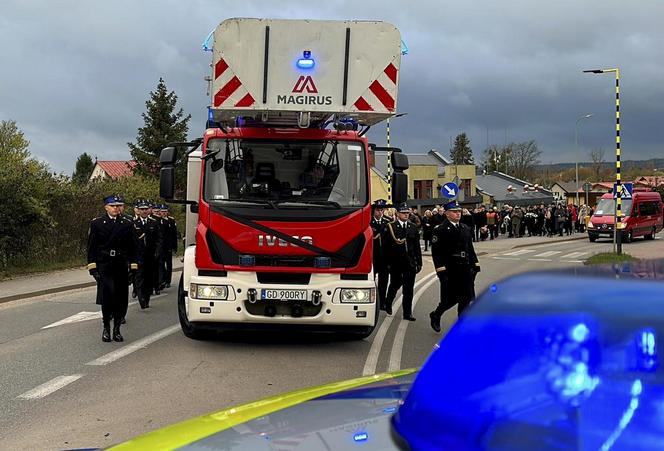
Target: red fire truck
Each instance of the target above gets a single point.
(278, 188)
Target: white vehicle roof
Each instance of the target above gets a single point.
(255, 73)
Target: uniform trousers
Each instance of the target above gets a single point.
(402, 277)
(145, 278)
(457, 287)
(383, 276)
(166, 268)
(112, 291)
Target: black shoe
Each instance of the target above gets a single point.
(123, 321)
(133, 295)
(168, 285)
(156, 292)
(435, 322)
(142, 302)
(116, 334)
(409, 318)
(388, 309)
(106, 334)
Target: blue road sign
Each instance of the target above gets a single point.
(625, 191)
(449, 190)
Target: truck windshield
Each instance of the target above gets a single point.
(286, 174)
(606, 207)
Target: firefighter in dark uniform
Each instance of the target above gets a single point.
(148, 236)
(155, 213)
(405, 259)
(169, 245)
(455, 262)
(111, 250)
(380, 266)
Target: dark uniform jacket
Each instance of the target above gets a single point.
(149, 238)
(170, 241)
(452, 248)
(110, 241)
(403, 246)
(379, 227)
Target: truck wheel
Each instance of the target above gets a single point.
(627, 236)
(592, 237)
(651, 235)
(190, 330)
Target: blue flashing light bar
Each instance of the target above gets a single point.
(404, 48)
(306, 62)
(538, 368)
(360, 437)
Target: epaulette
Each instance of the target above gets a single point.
(150, 217)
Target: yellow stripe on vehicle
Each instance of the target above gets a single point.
(189, 431)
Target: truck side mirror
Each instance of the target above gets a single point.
(167, 182)
(399, 188)
(399, 162)
(167, 159)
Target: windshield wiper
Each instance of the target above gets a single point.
(325, 203)
(246, 203)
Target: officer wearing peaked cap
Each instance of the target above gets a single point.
(148, 236)
(405, 258)
(169, 244)
(455, 262)
(111, 249)
(380, 263)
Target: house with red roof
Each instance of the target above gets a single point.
(112, 169)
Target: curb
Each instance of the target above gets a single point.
(53, 290)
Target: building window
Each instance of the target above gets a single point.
(422, 189)
(465, 187)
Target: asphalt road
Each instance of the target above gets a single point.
(61, 387)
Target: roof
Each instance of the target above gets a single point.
(652, 180)
(569, 187)
(496, 183)
(117, 168)
(431, 158)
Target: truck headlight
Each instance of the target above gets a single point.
(356, 295)
(212, 292)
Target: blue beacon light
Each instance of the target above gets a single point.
(360, 437)
(306, 62)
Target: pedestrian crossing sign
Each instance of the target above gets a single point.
(624, 190)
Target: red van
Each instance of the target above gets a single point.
(642, 216)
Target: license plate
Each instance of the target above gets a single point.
(284, 295)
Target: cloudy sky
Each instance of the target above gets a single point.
(76, 74)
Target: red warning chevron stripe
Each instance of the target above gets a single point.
(377, 88)
(227, 91)
(362, 104)
(219, 68)
(382, 95)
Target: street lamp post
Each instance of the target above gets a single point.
(618, 215)
(576, 150)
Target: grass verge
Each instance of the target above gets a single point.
(609, 257)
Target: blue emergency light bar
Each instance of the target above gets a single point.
(547, 361)
(306, 62)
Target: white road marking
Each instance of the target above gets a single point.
(540, 260)
(397, 344)
(135, 346)
(573, 261)
(548, 253)
(372, 358)
(520, 252)
(506, 258)
(573, 255)
(87, 316)
(50, 387)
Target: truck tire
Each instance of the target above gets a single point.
(627, 237)
(592, 237)
(651, 235)
(189, 329)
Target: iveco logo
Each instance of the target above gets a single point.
(270, 240)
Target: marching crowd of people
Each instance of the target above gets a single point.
(124, 250)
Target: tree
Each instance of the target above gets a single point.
(597, 157)
(24, 188)
(162, 126)
(84, 167)
(523, 158)
(461, 153)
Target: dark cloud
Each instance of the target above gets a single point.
(76, 75)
